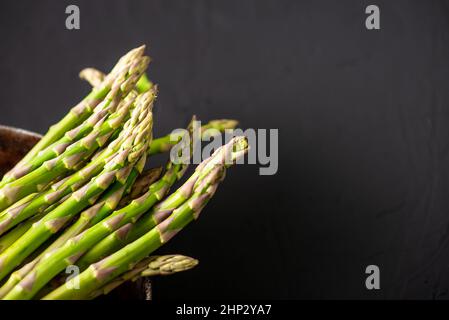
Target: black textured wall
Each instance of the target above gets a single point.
(363, 118)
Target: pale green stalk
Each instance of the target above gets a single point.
(84, 109)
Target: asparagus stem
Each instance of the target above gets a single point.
(106, 204)
(131, 212)
(99, 274)
(149, 267)
(53, 264)
(164, 144)
(84, 109)
(141, 185)
(18, 213)
(77, 152)
(120, 220)
(56, 261)
(10, 237)
(205, 176)
(94, 77)
(107, 106)
(118, 168)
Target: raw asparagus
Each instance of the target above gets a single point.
(133, 231)
(49, 266)
(118, 168)
(20, 212)
(79, 151)
(84, 109)
(94, 77)
(107, 106)
(100, 273)
(149, 267)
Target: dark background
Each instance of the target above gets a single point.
(363, 118)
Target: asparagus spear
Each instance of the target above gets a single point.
(94, 77)
(134, 209)
(107, 106)
(133, 231)
(53, 222)
(158, 145)
(104, 206)
(198, 182)
(149, 267)
(56, 261)
(18, 213)
(109, 200)
(141, 185)
(72, 156)
(84, 109)
(119, 168)
(107, 203)
(164, 144)
(10, 237)
(38, 204)
(100, 273)
(155, 193)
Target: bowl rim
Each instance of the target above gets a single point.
(21, 131)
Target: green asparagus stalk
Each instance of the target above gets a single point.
(108, 202)
(133, 231)
(119, 168)
(56, 261)
(53, 222)
(84, 109)
(100, 273)
(104, 206)
(35, 204)
(149, 267)
(131, 212)
(147, 100)
(165, 143)
(18, 213)
(107, 106)
(38, 204)
(158, 145)
(72, 156)
(10, 237)
(94, 77)
(75, 246)
(141, 185)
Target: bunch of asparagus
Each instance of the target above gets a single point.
(82, 197)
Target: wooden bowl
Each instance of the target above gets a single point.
(14, 144)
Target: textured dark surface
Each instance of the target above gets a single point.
(364, 131)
